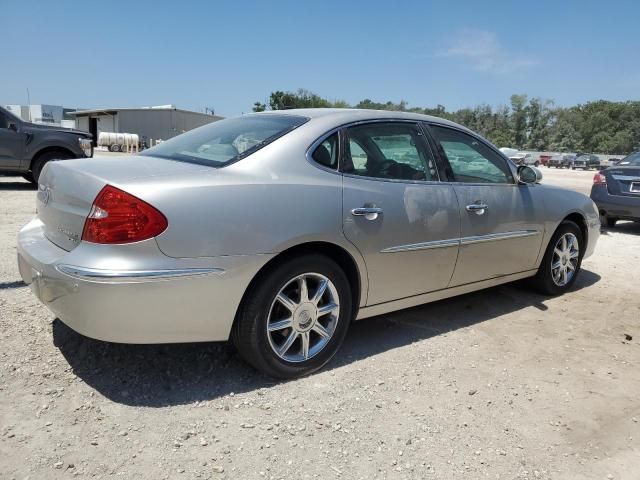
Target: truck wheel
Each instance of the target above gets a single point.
(114, 148)
(29, 177)
(41, 160)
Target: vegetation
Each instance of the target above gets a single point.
(526, 123)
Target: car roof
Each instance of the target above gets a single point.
(346, 115)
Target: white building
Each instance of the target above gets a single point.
(45, 114)
(157, 123)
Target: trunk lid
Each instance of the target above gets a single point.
(623, 180)
(67, 189)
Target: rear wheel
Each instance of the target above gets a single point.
(114, 148)
(295, 317)
(42, 159)
(611, 221)
(562, 260)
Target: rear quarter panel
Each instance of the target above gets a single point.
(264, 204)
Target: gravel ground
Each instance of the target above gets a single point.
(502, 383)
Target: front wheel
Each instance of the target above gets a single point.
(44, 158)
(295, 317)
(562, 260)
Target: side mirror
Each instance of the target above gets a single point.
(529, 174)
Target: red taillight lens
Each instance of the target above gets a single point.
(599, 179)
(119, 217)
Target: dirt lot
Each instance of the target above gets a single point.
(502, 383)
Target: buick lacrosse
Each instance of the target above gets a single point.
(277, 229)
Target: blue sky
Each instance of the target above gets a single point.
(227, 55)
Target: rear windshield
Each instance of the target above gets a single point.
(633, 159)
(226, 141)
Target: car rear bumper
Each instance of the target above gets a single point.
(179, 300)
(618, 206)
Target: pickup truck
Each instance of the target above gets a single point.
(586, 162)
(26, 147)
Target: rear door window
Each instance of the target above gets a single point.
(394, 151)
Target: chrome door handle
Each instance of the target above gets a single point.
(477, 208)
(370, 213)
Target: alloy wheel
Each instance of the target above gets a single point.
(564, 261)
(303, 317)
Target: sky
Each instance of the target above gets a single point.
(226, 55)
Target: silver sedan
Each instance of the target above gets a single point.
(278, 229)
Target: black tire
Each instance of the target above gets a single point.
(543, 280)
(29, 177)
(114, 148)
(610, 221)
(42, 159)
(250, 335)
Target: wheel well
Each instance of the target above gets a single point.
(331, 250)
(579, 220)
(47, 150)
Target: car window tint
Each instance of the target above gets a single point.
(471, 160)
(326, 154)
(388, 150)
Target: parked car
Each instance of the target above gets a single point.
(616, 191)
(586, 162)
(525, 159)
(560, 161)
(544, 159)
(278, 229)
(25, 148)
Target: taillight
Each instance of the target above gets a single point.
(599, 179)
(119, 217)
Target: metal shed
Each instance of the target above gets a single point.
(157, 123)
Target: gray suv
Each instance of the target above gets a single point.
(26, 147)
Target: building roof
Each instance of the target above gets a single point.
(112, 111)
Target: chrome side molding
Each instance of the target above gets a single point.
(452, 242)
(491, 237)
(96, 274)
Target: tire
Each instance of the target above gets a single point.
(114, 148)
(261, 308)
(42, 159)
(544, 281)
(610, 221)
(29, 177)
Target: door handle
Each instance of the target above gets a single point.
(370, 213)
(477, 208)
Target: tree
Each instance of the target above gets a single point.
(519, 120)
(259, 107)
(533, 124)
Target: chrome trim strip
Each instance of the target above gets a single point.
(498, 236)
(100, 274)
(461, 241)
(453, 242)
